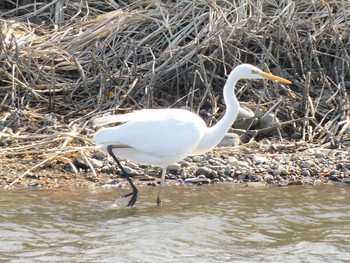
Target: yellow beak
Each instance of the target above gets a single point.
(274, 77)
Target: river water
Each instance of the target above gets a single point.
(214, 223)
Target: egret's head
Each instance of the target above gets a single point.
(251, 72)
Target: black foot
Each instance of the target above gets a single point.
(133, 198)
(132, 201)
(134, 193)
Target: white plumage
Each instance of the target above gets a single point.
(157, 137)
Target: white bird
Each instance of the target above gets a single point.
(164, 136)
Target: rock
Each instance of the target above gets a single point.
(259, 159)
(215, 181)
(229, 179)
(197, 180)
(254, 178)
(174, 167)
(70, 167)
(222, 179)
(113, 184)
(215, 168)
(267, 177)
(188, 159)
(232, 161)
(278, 177)
(132, 165)
(96, 163)
(267, 121)
(244, 164)
(147, 178)
(285, 170)
(99, 155)
(108, 169)
(80, 163)
(307, 164)
(245, 124)
(185, 164)
(245, 113)
(264, 144)
(305, 173)
(130, 171)
(229, 140)
(276, 172)
(318, 154)
(196, 158)
(296, 182)
(245, 119)
(183, 173)
(207, 172)
(240, 176)
(216, 161)
(227, 170)
(334, 176)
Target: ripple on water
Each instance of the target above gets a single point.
(214, 223)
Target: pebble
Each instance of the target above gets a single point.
(244, 164)
(108, 169)
(216, 161)
(276, 172)
(285, 170)
(174, 167)
(185, 164)
(130, 171)
(318, 154)
(233, 161)
(96, 163)
(307, 164)
(259, 159)
(268, 121)
(147, 178)
(229, 140)
(245, 113)
(227, 170)
(196, 158)
(215, 181)
(313, 166)
(207, 172)
(240, 176)
(264, 144)
(132, 165)
(305, 173)
(80, 163)
(197, 180)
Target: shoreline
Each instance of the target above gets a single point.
(244, 164)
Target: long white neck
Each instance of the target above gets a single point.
(214, 134)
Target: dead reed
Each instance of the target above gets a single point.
(64, 62)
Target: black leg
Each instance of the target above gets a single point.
(134, 192)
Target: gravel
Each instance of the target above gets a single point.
(311, 166)
(265, 163)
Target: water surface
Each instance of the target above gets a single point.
(215, 223)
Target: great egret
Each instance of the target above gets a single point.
(164, 136)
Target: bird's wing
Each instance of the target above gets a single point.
(149, 114)
(112, 119)
(172, 135)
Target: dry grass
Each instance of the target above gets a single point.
(64, 62)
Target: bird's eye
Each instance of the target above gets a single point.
(255, 71)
